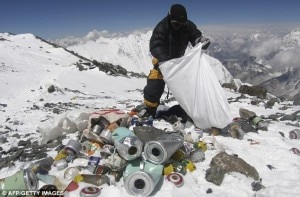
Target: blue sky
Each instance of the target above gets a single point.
(59, 18)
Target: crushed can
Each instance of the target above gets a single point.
(135, 121)
(71, 172)
(162, 148)
(93, 161)
(116, 163)
(176, 179)
(141, 177)
(61, 164)
(101, 170)
(295, 151)
(90, 192)
(46, 178)
(168, 169)
(294, 134)
(96, 180)
(107, 150)
(90, 148)
(178, 126)
(200, 145)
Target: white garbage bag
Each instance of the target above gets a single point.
(63, 124)
(197, 89)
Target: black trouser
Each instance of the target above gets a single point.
(154, 88)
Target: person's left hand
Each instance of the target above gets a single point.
(205, 42)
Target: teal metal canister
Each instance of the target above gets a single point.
(141, 177)
(24, 180)
(128, 145)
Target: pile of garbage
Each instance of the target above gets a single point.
(115, 145)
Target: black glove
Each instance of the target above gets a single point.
(205, 42)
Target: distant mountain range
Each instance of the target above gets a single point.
(265, 55)
(122, 56)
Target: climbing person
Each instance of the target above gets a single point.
(169, 40)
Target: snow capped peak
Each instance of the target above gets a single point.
(130, 51)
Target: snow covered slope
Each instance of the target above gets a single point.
(131, 52)
(28, 67)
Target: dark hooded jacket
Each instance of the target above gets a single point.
(167, 43)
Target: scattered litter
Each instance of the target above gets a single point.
(271, 167)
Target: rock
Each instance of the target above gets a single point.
(3, 140)
(3, 105)
(246, 114)
(275, 116)
(24, 143)
(230, 86)
(296, 100)
(209, 191)
(56, 111)
(53, 144)
(223, 162)
(270, 103)
(4, 163)
(16, 135)
(17, 155)
(246, 126)
(256, 186)
(12, 149)
(51, 89)
(292, 117)
(214, 131)
(41, 155)
(257, 91)
(236, 131)
(215, 175)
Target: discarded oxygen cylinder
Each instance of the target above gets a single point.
(106, 134)
(73, 146)
(24, 180)
(128, 145)
(141, 177)
(99, 124)
(162, 148)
